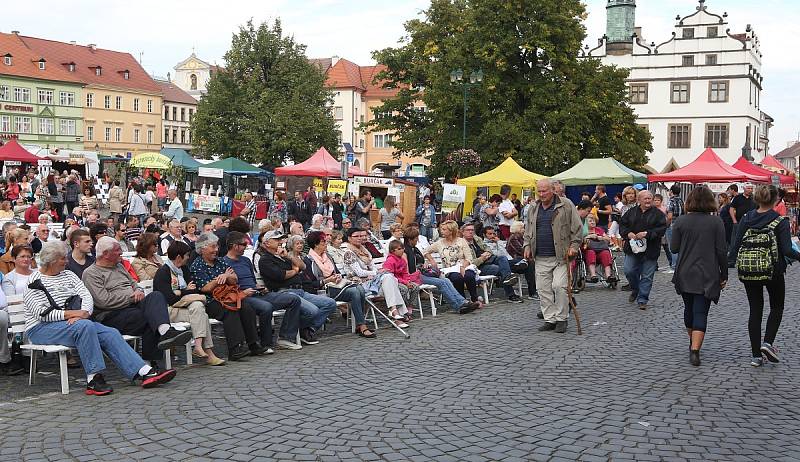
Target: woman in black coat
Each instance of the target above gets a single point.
(702, 270)
(766, 197)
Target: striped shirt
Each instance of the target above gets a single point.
(61, 287)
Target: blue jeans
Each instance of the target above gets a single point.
(673, 262)
(314, 309)
(639, 271)
(695, 311)
(265, 304)
(454, 299)
(426, 231)
(92, 339)
(355, 296)
(498, 266)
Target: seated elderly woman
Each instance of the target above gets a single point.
(208, 271)
(147, 261)
(396, 234)
(358, 264)
(68, 323)
(321, 273)
(16, 237)
(596, 248)
(187, 304)
(371, 241)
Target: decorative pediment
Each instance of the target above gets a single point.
(192, 63)
(46, 112)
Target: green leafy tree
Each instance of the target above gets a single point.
(538, 101)
(268, 105)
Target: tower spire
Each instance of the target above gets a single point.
(620, 23)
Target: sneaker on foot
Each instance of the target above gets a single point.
(514, 298)
(511, 280)
(757, 361)
(156, 377)
(533, 296)
(98, 386)
(642, 306)
(174, 337)
(770, 352)
(287, 345)
(467, 307)
(238, 353)
(561, 327)
(547, 326)
(307, 337)
(258, 350)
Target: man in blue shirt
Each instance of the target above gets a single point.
(264, 303)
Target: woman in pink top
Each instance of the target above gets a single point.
(409, 283)
(161, 195)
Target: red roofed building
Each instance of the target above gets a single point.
(40, 98)
(356, 95)
(121, 102)
(177, 113)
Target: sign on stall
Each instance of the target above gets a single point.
(210, 172)
(394, 192)
(206, 203)
(337, 186)
(318, 184)
(12, 162)
(453, 195)
(373, 181)
(45, 163)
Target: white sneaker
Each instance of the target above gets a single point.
(287, 345)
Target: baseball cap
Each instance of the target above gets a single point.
(274, 234)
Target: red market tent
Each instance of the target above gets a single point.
(321, 165)
(771, 162)
(747, 167)
(13, 151)
(707, 168)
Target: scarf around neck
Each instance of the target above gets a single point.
(323, 262)
(177, 273)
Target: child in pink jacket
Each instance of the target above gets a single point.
(409, 283)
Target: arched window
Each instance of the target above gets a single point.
(193, 84)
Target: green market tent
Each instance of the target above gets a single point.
(181, 158)
(600, 171)
(234, 166)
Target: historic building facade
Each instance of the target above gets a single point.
(177, 113)
(192, 75)
(40, 98)
(121, 102)
(699, 88)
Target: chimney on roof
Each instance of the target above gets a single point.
(15, 32)
(169, 77)
(73, 42)
(334, 60)
(92, 46)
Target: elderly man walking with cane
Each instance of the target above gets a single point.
(552, 236)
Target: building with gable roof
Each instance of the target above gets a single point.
(192, 75)
(177, 114)
(699, 88)
(121, 102)
(40, 98)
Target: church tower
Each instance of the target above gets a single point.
(620, 19)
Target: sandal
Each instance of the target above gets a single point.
(363, 333)
(198, 355)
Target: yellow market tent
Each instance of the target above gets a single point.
(509, 172)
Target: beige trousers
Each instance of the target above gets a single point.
(551, 284)
(195, 315)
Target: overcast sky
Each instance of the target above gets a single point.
(166, 31)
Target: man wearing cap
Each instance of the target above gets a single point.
(642, 227)
(283, 273)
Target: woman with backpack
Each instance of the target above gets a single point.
(702, 271)
(760, 248)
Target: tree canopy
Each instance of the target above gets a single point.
(538, 100)
(268, 105)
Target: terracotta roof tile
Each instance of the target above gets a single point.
(345, 74)
(25, 62)
(112, 64)
(174, 94)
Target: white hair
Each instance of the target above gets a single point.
(104, 244)
(205, 240)
(52, 251)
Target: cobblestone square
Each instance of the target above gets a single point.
(477, 387)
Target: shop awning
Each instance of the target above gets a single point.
(747, 167)
(509, 172)
(321, 165)
(181, 158)
(707, 168)
(13, 151)
(234, 166)
(600, 171)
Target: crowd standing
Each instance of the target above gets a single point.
(311, 252)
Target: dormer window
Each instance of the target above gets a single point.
(126, 75)
(7, 59)
(98, 71)
(42, 64)
(71, 67)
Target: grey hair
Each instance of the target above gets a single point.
(361, 221)
(52, 251)
(290, 243)
(206, 239)
(517, 226)
(104, 244)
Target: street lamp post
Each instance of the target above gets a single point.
(475, 79)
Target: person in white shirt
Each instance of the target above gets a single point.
(175, 209)
(507, 212)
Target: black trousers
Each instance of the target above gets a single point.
(239, 326)
(468, 279)
(776, 288)
(142, 319)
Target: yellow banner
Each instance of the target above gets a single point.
(337, 186)
(318, 183)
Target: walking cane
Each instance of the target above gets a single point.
(572, 303)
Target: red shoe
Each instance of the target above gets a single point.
(98, 386)
(156, 377)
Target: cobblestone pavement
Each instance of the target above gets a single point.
(485, 386)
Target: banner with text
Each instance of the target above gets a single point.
(453, 195)
(337, 186)
(206, 203)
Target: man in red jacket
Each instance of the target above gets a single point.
(32, 213)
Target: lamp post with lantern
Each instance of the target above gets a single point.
(475, 79)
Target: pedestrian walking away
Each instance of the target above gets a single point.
(702, 271)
